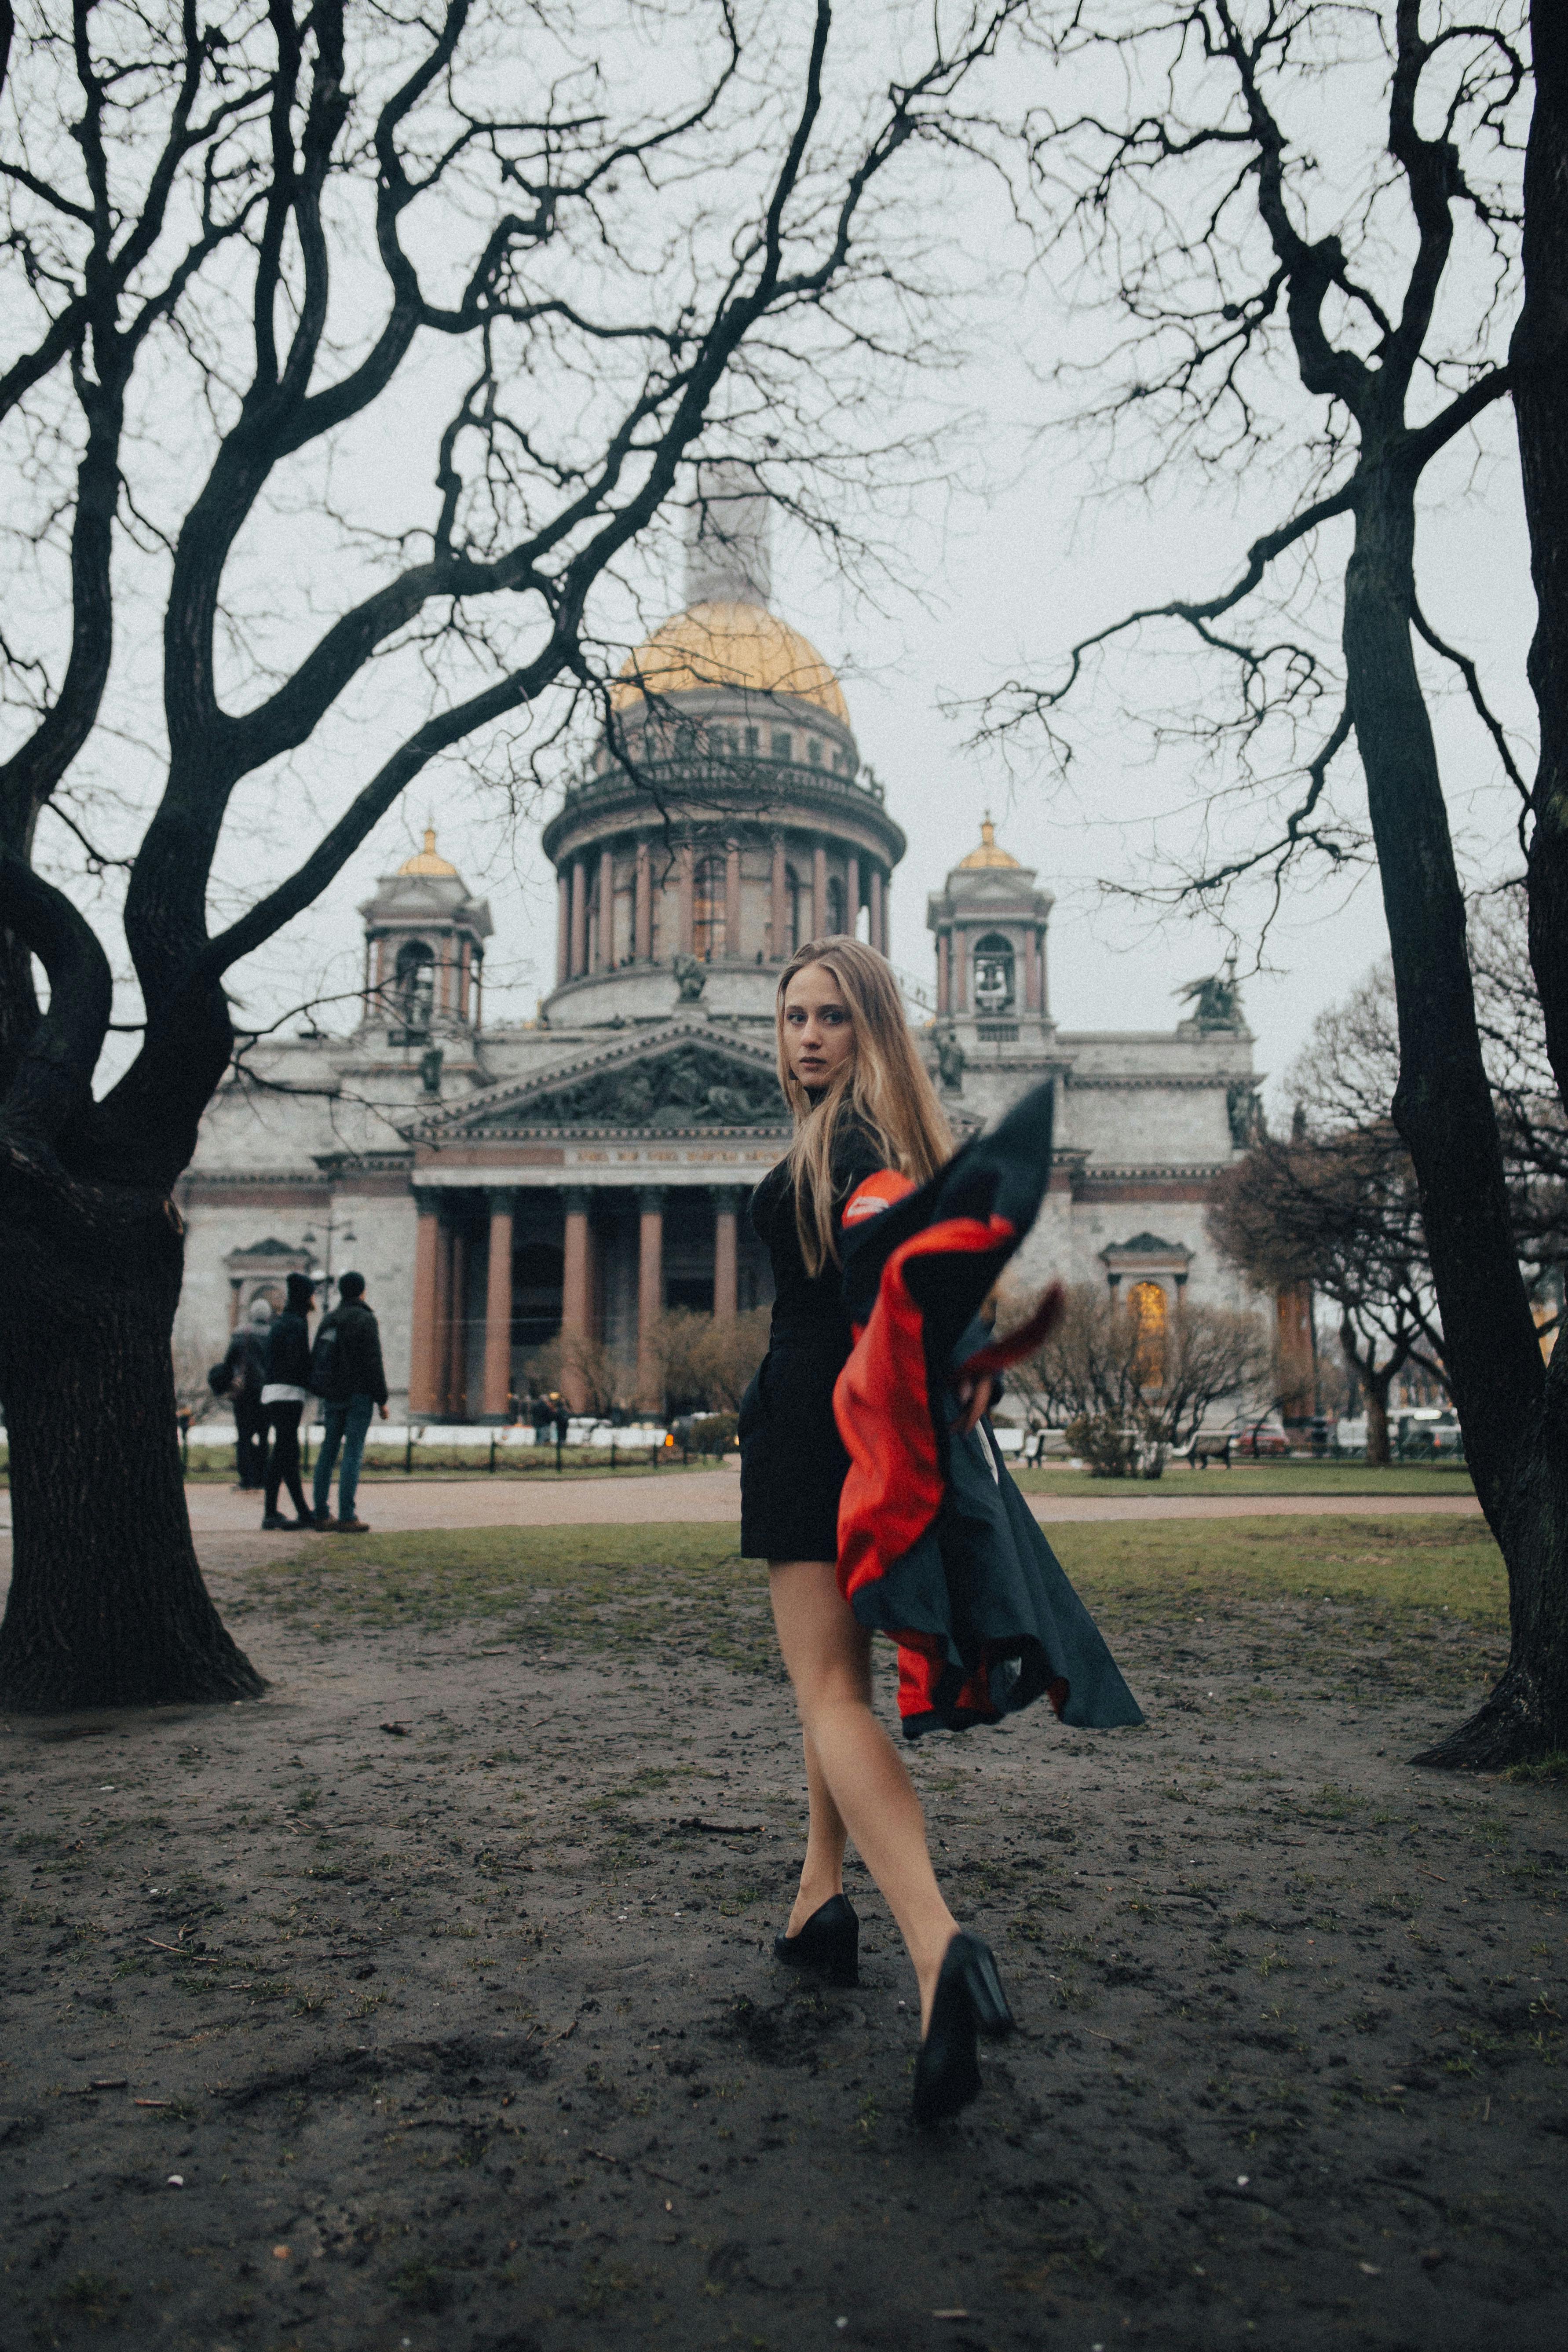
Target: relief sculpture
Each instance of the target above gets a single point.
(690, 1087)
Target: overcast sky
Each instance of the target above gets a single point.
(1001, 577)
(1008, 548)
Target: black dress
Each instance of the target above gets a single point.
(792, 1462)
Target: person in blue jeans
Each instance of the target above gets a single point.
(346, 1374)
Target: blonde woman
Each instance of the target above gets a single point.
(861, 1102)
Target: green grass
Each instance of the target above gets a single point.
(1420, 1593)
(1257, 1478)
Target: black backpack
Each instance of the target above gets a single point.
(324, 1358)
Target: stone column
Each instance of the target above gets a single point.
(726, 1286)
(497, 1306)
(1031, 970)
(458, 1325)
(575, 1291)
(605, 960)
(650, 1294)
(642, 904)
(732, 901)
(852, 895)
(944, 973)
(579, 917)
(422, 1356)
(818, 890)
(441, 1345)
(879, 932)
(687, 871)
(959, 982)
(779, 907)
(564, 931)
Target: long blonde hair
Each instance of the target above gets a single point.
(883, 1085)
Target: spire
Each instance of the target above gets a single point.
(426, 861)
(728, 562)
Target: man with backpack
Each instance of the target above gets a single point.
(346, 1374)
(240, 1378)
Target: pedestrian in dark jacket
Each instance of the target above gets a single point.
(284, 1399)
(346, 1374)
(247, 1361)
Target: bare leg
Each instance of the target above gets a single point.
(822, 1872)
(827, 1654)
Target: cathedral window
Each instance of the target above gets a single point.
(414, 984)
(799, 910)
(814, 751)
(753, 740)
(708, 909)
(783, 746)
(1146, 1304)
(993, 973)
(835, 906)
(685, 740)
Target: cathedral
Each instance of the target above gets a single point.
(583, 1172)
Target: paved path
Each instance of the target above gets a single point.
(714, 1496)
(660, 1498)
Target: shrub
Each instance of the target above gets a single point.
(1104, 1442)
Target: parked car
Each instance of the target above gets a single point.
(1428, 1432)
(1253, 1435)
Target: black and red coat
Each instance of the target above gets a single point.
(936, 1546)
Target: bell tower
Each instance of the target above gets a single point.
(424, 952)
(990, 923)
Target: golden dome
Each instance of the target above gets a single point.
(988, 854)
(729, 645)
(426, 861)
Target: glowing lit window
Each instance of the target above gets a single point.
(1146, 1304)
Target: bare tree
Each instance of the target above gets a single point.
(1128, 1395)
(1337, 1204)
(592, 1371)
(1304, 319)
(1342, 1214)
(584, 287)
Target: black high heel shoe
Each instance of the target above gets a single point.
(829, 1941)
(969, 2001)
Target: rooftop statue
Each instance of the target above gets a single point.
(1216, 1000)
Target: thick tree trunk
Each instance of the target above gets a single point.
(1539, 359)
(1376, 1421)
(1528, 1710)
(1444, 1109)
(107, 1605)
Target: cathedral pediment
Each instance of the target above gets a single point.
(676, 1081)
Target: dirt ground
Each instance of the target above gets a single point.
(428, 2003)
